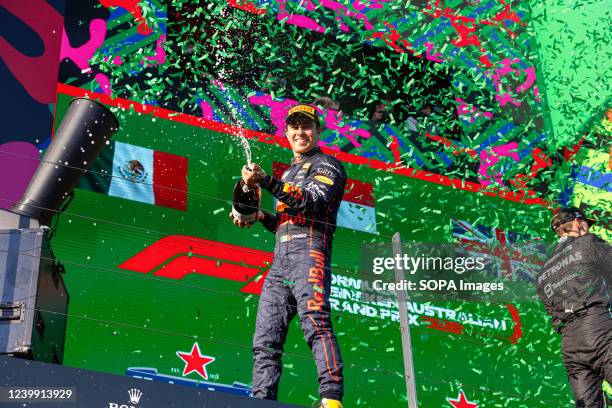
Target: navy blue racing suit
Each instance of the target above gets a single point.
(575, 286)
(299, 281)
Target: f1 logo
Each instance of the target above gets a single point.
(176, 256)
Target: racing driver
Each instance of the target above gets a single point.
(575, 285)
(308, 196)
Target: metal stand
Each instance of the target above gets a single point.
(402, 300)
(33, 297)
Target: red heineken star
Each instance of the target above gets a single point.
(462, 402)
(195, 361)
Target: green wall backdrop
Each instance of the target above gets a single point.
(519, 126)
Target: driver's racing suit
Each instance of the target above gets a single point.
(308, 197)
(575, 285)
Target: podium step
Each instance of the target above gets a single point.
(67, 387)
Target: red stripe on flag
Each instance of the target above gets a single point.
(359, 192)
(170, 180)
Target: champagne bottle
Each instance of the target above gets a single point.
(246, 202)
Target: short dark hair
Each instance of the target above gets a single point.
(374, 106)
(568, 214)
(324, 101)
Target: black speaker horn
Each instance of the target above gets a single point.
(83, 133)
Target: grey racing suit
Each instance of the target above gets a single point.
(308, 196)
(574, 286)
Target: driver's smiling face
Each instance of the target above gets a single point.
(302, 136)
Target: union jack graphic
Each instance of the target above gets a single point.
(508, 254)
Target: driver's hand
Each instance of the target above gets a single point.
(239, 223)
(253, 176)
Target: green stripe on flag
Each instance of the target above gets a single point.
(99, 177)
